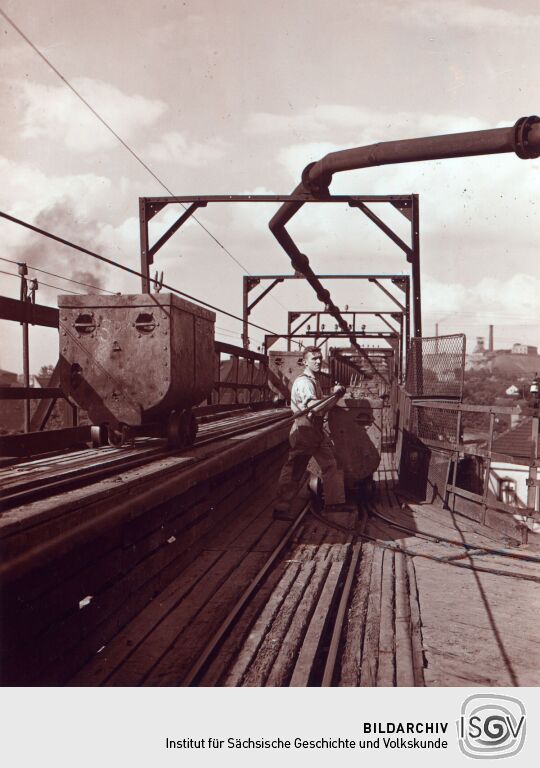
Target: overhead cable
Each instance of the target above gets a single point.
(115, 134)
(12, 274)
(61, 277)
(127, 269)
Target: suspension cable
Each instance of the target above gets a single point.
(121, 140)
(61, 277)
(127, 269)
(57, 287)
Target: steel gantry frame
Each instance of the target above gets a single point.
(388, 336)
(400, 281)
(395, 338)
(252, 281)
(407, 205)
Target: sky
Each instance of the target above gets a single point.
(236, 97)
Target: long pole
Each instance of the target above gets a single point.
(23, 271)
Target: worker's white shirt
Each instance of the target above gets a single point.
(305, 389)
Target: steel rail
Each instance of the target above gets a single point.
(35, 489)
(80, 478)
(337, 632)
(216, 641)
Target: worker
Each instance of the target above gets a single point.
(309, 437)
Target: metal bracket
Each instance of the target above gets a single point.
(401, 282)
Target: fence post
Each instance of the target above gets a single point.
(532, 487)
(456, 462)
(488, 467)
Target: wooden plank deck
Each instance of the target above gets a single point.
(416, 616)
(466, 626)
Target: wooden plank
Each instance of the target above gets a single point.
(43, 442)
(283, 665)
(276, 633)
(257, 634)
(216, 672)
(416, 626)
(244, 629)
(30, 393)
(136, 574)
(465, 407)
(488, 625)
(169, 620)
(139, 664)
(308, 654)
(176, 664)
(370, 650)
(386, 666)
(404, 655)
(103, 665)
(354, 637)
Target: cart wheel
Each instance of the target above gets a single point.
(119, 436)
(181, 429)
(191, 427)
(98, 435)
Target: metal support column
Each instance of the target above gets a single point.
(143, 233)
(23, 272)
(245, 312)
(415, 256)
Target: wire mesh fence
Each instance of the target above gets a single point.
(436, 424)
(436, 366)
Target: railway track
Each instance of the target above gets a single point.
(311, 619)
(287, 627)
(31, 481)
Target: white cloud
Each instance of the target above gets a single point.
(460, 13)
(492, 300)
(334, 122)
(174, 147)
(26, 190)
(54, 112)
(74, 207)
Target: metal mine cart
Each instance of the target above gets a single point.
(283, 368)
(356, 429)
(137, 363)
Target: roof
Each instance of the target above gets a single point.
(7, 378)
(516, 441)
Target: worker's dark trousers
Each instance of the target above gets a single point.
(296, 464)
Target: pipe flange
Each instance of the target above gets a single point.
(521, 137)
(324, 296)
(315, 188)
(300, 262)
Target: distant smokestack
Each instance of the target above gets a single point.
(491, 338)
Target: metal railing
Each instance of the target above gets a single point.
(242, 378)
(452, 446)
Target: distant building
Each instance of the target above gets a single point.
(11, 411)
(8, 379)
(520, 361)
(524, 349)
(480, 348)
(508, 480)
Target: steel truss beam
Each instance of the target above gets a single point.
(407, 205)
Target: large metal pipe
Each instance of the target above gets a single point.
(523, 138)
